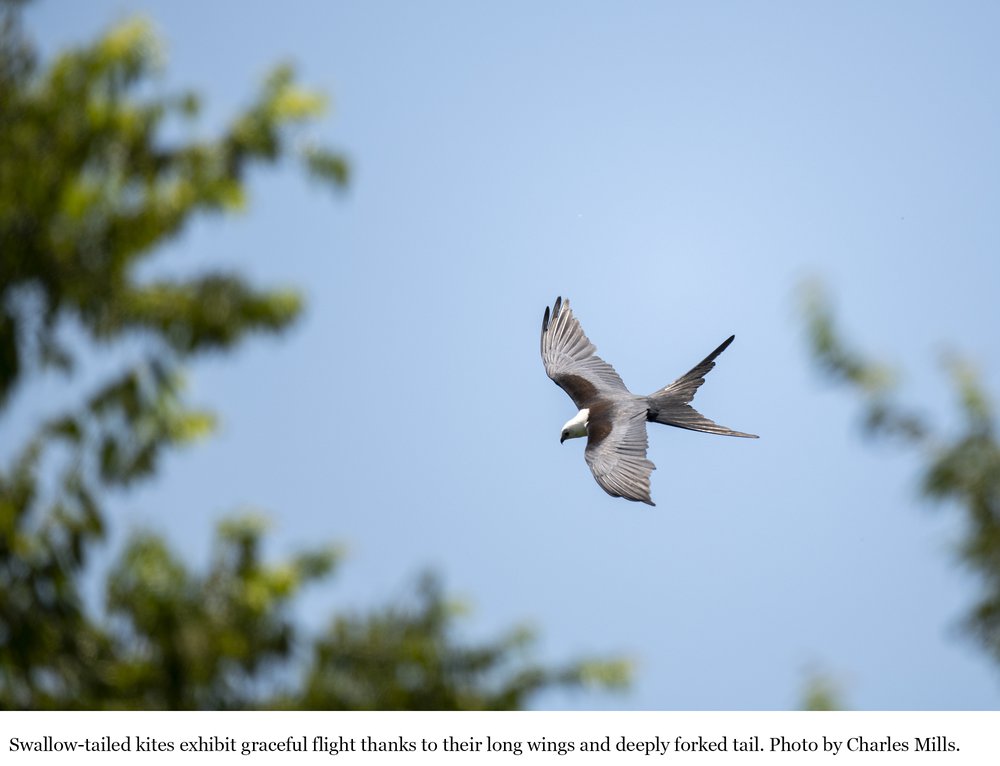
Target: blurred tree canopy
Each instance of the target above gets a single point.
(821, 692)
(961, 466)
(89, 188)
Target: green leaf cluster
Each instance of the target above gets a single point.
(91, 184)
(961, 467)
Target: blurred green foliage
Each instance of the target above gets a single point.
(821, 692)
(961, 466)
(89, 188)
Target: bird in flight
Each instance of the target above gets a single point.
(611, 417)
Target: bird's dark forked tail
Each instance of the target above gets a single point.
(671, 405)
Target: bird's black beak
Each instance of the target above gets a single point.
(562, 438)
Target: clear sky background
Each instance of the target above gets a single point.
(676, 170)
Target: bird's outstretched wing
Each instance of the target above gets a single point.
(616, 450)
(570, 358)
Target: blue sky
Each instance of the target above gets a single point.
(676, 170)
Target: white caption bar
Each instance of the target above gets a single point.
(502, 738)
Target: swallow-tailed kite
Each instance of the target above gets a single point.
(611, 417)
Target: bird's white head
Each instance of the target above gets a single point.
(576, 426)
